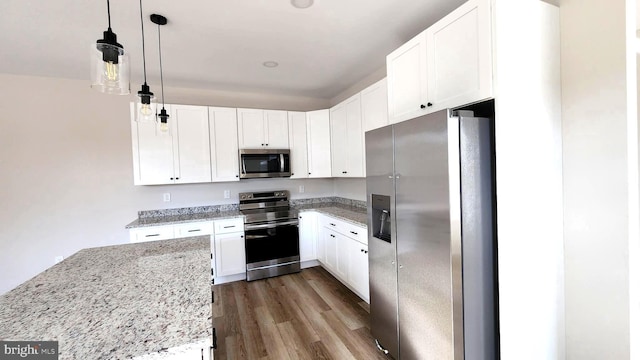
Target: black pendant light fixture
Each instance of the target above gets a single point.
(109, 63)
(146, 101)
(163, 117)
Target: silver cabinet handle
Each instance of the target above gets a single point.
(152, 235)
(194, 230)
(229, 227)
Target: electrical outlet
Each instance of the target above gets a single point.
(227, 194)
(166, 197)
(59, 258)
(301, 189)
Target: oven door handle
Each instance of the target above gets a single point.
(254, 237)
(269, 226)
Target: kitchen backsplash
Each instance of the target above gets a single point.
(234, 207)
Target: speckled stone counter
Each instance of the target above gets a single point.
(183, 218)
(353, 211)
(116, 302)
(352, 214)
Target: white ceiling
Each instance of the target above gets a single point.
(218, 44)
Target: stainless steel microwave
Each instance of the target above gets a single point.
(264, 163)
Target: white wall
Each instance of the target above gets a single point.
(351, 188)
(598, 203)
(529, 180)
(67, 177)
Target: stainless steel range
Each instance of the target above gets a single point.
(271, 234)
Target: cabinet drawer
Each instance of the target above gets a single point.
(193, 229)
(229, 225)
(151, 233)
(350, 230)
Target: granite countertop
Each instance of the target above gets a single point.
(352, 211)
(117, 302)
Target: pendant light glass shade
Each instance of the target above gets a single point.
(146, 105)
(109, 64)
(163, 121)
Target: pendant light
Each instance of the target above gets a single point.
(109, 63)
(146, 101)
(163, 117)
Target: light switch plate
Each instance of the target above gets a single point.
(301, 189)
(58, 259)
(227, 194)
(166, 197)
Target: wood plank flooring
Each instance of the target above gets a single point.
(308, 315)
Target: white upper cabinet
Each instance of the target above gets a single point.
(319, 144)
(152, 152)
(446, 66)
(407, 80)
(347, 139)
(375, 111)
(276, 129)
(259, 129)
(192, 160)
(251, 128)
(459, 53)
(298, 144)
(178, 157)
(223, 132)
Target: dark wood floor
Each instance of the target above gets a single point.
(309, 315)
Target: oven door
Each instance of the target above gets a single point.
(271, 244)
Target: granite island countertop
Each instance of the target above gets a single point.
(117, 302)
(352, 211)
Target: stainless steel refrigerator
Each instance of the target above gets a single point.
(432, 265)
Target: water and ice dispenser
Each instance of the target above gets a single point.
(381, 217)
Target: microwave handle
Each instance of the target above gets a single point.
(244, 168)
(281, 162)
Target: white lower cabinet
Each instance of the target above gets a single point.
(229, 254)
(229, 247)
(307, 227)
(359, 268)
(151, 233)
(343, 251)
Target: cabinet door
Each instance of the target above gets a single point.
(354, 144)
(251, 129)
(276, 129)
(230, 257)
(359, 268)
(152, 153)
(223, 132)
(192, 160)
(459, 69)
(339, 139)
(342, 257)
(375, 110)
(319, 144)
(331, 249)
(307, 228)
(407, 80)
(298, 144)
(321, 247)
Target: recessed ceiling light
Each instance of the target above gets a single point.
(270, 64)
(301, 4)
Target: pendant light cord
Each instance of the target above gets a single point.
(109, 14)
(144, 58)
(160, 55)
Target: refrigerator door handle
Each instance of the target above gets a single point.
(384, 351)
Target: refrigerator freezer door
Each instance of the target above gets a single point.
(383, 282)
(423, 230)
